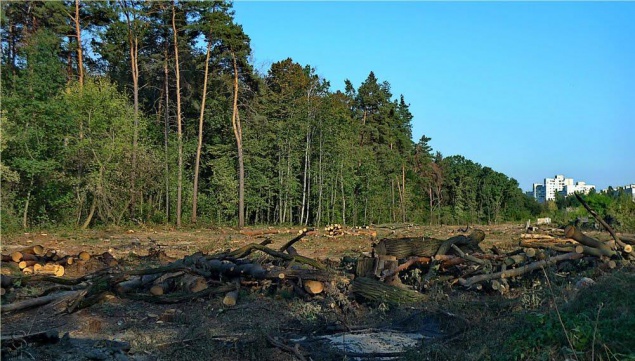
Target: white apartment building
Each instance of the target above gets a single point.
(581, 187)
(559, 184)
(630, 190)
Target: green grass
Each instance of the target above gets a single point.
(599, 324)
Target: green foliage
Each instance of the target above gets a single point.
(311, 155)
(603, 313)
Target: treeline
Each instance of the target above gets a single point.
(615, 206)
(130, 111)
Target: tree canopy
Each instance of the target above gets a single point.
(92, 133)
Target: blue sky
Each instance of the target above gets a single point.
(529, 89)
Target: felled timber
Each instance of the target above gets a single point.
(408, 247)
(520, 270)
(574, 233)
(377, 291)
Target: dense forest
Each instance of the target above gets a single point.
(127, 112)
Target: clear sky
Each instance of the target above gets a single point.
(530, 89)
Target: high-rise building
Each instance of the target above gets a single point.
(559, 184)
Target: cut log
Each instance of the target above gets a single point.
(574, 233)
(373, 290)
(50, 269)
(191, 283)
(365, 267)
(36, 250)
(230, 298)
(33, 302)
(84, 256)
(109, 259)
(520, 270)
(25, 264)
(313, 287)
(535, 236)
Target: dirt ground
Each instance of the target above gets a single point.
(121, 329)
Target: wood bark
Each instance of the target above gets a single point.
(200, 133)
(520, 270)
(238, 133)
(34, 302)
(408, 247)
(373, 290)
(574, 233)
(133, 44)
(179, 129)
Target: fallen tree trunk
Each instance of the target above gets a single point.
(408, 247)
(373, 290)
(33, 302)
(520, 270)
(574, 233)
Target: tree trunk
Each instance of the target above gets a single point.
(133, 43)
(239, 144)
(91, 213)
(200, 134)
(165, 136)
(80, 56)
(25, 214)
(179, 190)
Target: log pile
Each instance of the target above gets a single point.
(38, 260)
(461, 260)
(191, 277)
(334, 230)
(386, 276)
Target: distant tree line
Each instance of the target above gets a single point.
(130, 111)
(615, 206)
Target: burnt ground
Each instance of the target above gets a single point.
(122, 329)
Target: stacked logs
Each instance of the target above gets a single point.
(461, 260)
(37, 260)
(191, 277)
(334, 230)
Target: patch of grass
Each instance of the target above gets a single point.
(599, 324)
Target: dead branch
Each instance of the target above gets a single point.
(296, 239)
(294, 350)
(34, 302)
(626, 248)
(520, 270)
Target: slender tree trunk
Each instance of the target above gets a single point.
(403, 193)
(165, 135)
(343, 197)
(133, 43)
(320, 181)
(80, 56)
(305, 176)
(200, 134)
(25, 214)
(239, 144)
(392, 198)
(91, 213)
(179, 190)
